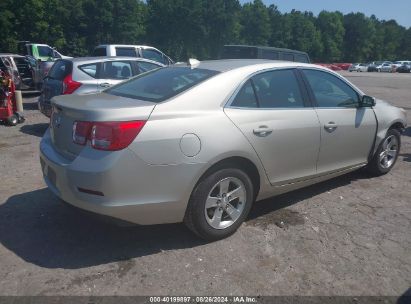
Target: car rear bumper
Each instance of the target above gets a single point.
(119, 184)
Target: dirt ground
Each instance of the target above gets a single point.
(347, 236)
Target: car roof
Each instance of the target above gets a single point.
(225, 65)
(270, 48)
(124, 45)
(78, 60)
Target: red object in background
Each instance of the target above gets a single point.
(330, 66)
(7, 96)
(343, 66)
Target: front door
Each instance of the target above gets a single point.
(347, 130)
(270, 111)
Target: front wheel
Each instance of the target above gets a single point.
(219, 204)
(386, 154)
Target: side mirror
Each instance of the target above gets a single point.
(367, 101)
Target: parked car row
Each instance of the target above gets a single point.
(381, 66)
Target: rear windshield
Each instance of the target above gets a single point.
(100, 51)
(161, 84)
(60, 69)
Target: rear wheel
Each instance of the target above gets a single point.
(386, 154)
(219, 204)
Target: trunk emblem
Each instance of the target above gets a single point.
(56, 120)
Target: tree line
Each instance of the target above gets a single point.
(199, 28)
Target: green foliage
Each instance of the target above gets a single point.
(199, 28)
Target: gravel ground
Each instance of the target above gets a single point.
(346, 236)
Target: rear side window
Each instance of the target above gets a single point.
(146, 66)
(288, 57)
(89, 69)
(278, 89)
(161, 84)
(274, 89)
(301, 58)
(100, 52)
(60, 69)
(246, 97)
(116, 70)
(268, 54)
(126, 52)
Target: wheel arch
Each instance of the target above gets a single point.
(399, 126)
(237, 162)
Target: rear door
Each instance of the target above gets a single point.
(113, 72)
(87, 74)
(347, 130)
(271, 110)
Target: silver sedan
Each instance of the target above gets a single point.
(200, 142)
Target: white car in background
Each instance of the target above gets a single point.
(386, 66)
(142, 51)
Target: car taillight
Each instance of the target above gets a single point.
(69, 85)
(81, 132)
(110, 136)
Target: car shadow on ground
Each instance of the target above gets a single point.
(407, 132)
(41, 229)
(406, 157)
(36, 129)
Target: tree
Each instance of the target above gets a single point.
(255, 23)
(358, 38)
(331, 26)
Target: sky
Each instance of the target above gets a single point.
(399, 10)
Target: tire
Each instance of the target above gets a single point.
(214, 222)
(382, 162)
(12, 120)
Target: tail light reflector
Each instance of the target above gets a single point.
(70, 85)
(109, 136)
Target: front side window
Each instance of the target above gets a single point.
(45, 51)
(330, 91)
(161, 84)
(116, 70)
(153, 55)
(146, 66)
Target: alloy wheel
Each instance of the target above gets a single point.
(225, 203)
(389, 152)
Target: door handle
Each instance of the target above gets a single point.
(262, 131)
(104, 84)
(330, 127)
